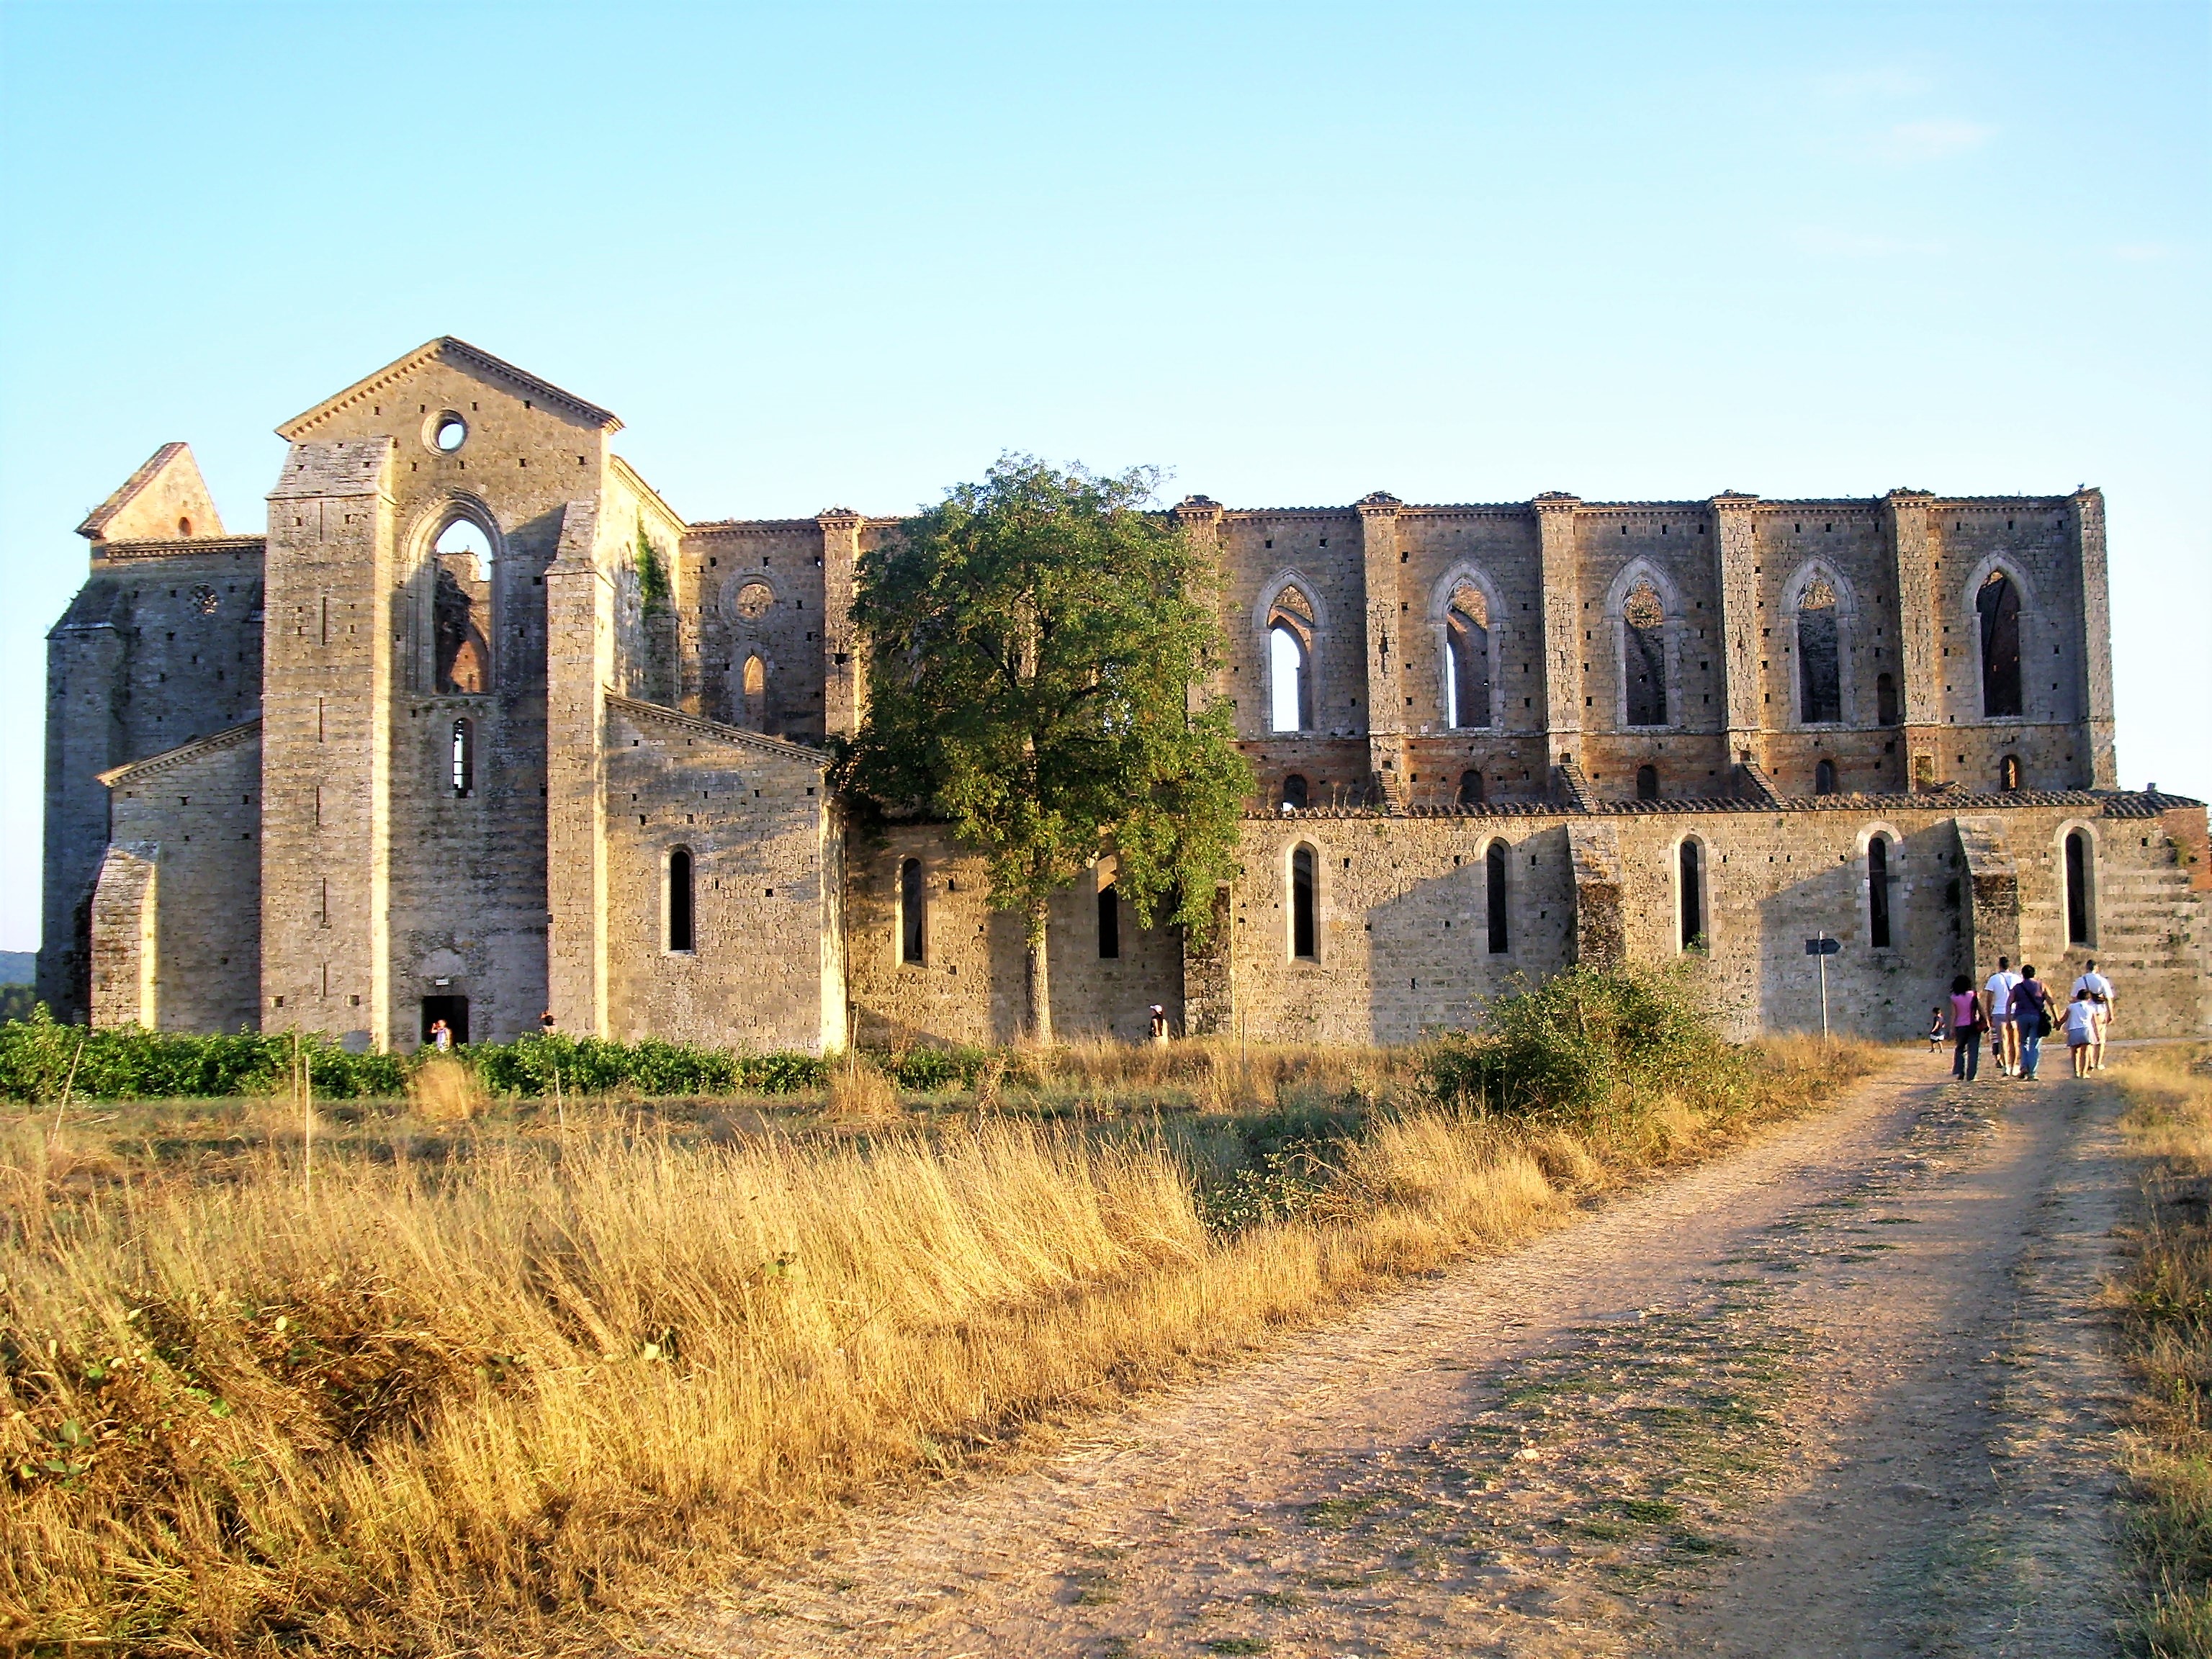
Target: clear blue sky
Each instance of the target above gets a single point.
(822, 254)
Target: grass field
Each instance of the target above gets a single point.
(499, 1369)
(2167, 1339)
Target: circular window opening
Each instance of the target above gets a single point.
(447, 432)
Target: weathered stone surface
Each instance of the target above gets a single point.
(406, 829)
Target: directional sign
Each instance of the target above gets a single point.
(1823, 947)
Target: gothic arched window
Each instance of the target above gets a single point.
(1820, 664)
(460, 607)
(1471, 788)
(1467, 651)
(753, 689)
(1295, 793)
(1109, 923)
(1997, 606)
(1643, 655)
(1290, 662)
(2081, 866)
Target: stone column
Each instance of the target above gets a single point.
(86, 692)
(124, 984)
(1386, 704)
(330, 608)
(1560, 563)
(2102, 766)
(579, 661)
(844, 661)
(1200, 518)
(1919, 638)
(1735, 565)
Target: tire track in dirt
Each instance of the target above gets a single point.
(1838, 1393)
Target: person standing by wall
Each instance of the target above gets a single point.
(2100, 998)
(1996, 1004)
(2031, 1011)
(1966, 1024)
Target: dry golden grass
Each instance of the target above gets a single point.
(461, 1404)
(2166, 1318)
(859, 1092)
(444, 1091)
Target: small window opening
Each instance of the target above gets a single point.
(449, 433)
(2008, 773)
(1647, 783)
(1472, 790)
(184, 529)
(913, 912)
(753, 689)
(1109, 923)
(2077, 887)
(464, 759)
(680, 934)
(1824, 778)
(1885, 699)
(1878, 893)
(1303, 933)
(1692, 885)
(1297, 794)
(1494, 898)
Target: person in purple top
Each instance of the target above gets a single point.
(2031, 1011)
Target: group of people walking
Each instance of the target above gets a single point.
(2018, 1011)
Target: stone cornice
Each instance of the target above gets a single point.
(229, 737)
(446, 347)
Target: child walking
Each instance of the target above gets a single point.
(2081, 1030)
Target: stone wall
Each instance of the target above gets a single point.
(176, 921)
(753, 816)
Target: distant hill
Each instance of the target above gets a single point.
(18, 967)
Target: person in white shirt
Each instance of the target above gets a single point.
(2004, 1035)
(2081, 1030)
(2100, 997)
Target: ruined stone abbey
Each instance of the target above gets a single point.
(480, 726)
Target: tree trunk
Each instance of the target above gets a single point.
(1040, 976)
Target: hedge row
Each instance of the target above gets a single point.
(38, 1059)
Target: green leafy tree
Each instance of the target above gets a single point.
(1035, 645)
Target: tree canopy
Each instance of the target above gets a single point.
(1035, 646)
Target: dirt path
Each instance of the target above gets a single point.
(1839, 1394)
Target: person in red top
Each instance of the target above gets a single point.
(1966, 1029)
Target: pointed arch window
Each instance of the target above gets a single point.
(1997, 608)
(1643, 655)
(1877, 866)
(1290, 662)
(461, 608)
(1493, 873)
(1467, 658)
(681, 936)
(1819, 655)
(753, 690)
(1305, 931)
(1109, 923)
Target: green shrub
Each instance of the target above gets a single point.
(1582, 1046)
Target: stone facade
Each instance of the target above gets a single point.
(481, 727)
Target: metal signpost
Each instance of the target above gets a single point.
(1822, 946)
